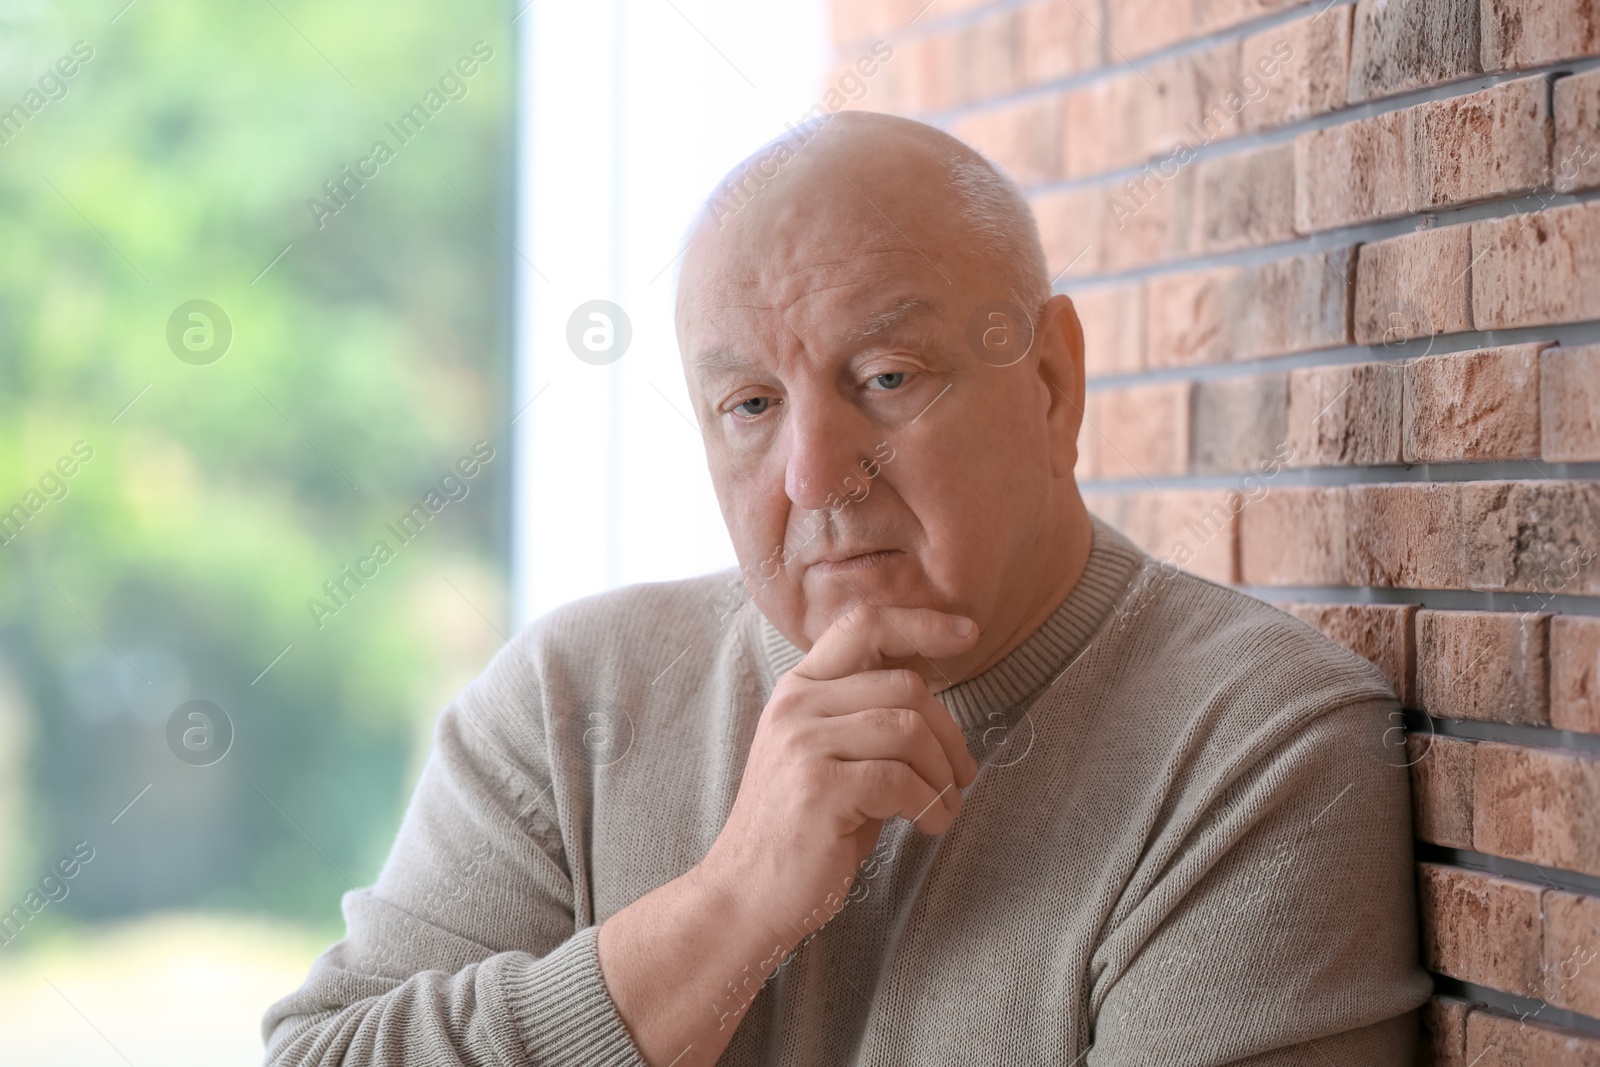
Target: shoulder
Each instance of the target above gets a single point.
(631, 626)
(1242, 664)
(611, 650)
(641, 612)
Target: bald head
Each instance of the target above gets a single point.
(959, 203)
(889, 394)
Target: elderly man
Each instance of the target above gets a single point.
(956, 774)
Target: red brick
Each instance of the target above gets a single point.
(1058, 39)
(1480, 145)
(1113, 318)
(1444, 1032)
(1344, 415)
(1349, 173)
(1244, 200)
(1547, 537)
(1195, 529)
(1103, 124)
(855, 21)
(1134, 30)
(1575, 673)
(914, 8)
(1415, 285)
(984, 58)
(1408, 536)
(1380, 633)
(1405, 44)
(1288, 305)
(1577, 148)
(1294, 304)
(1518, 34)
(1509, 536)
(1473, 405)
(917, 76)
(1239, 423)
(1441, 789)
(1069, 226)
(1490, 535)
(1313, 80)
(851, 21)
(1479, 928)
(1495, 1040)
(1485, 665)
(1022, 137)
(1139, 233)
(1202, 99)
(1191, 316)
(1213, 15)
(1536, 805)
(1294, 536)
(1538, 268)
(1571, 951)
(1569, 404)
(1143, 430)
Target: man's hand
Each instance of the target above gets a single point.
(845, 742)
(850, 738)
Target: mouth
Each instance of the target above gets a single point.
(860, 562)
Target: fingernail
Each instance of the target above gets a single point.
(962, 626)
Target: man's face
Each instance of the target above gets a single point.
(860, 448)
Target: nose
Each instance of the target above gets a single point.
(824, 442)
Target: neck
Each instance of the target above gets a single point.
(1054, 584)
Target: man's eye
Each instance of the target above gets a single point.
(891, 380)
(755, 405)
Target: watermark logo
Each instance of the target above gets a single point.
(199, 332)
(1406, 322)
(607, 736)
(199, 733)
(599, 332)
(1006, 744)
(1000, 333)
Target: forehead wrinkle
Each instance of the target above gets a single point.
(747, 292)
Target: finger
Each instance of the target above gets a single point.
(882, 789)
(867, 637)
(895, 689)
(888, 734)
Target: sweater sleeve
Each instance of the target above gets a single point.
(467, 950)
(1285, 922)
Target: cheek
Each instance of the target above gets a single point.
(755, 513)
(978, 494)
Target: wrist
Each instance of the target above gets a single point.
(747, 932)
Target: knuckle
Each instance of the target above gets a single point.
(858, 620)
(907, 683)
(815, 782)
(893, 775)
(906, 722)
(786, 698)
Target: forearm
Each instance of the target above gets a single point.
(512, 1007)
(682, 964)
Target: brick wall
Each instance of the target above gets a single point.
(1339, 271)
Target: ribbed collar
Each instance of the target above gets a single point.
(1027, 669)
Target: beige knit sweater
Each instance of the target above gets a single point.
(1189, 843)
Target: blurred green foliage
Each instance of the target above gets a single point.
(177, 163)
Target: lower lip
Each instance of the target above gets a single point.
(856, 563)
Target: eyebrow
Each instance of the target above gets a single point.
(872, 326)
(884, 321)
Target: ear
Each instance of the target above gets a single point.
(1060, 365)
